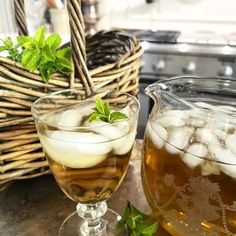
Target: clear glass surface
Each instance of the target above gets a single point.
(88, 159)
(189, 155)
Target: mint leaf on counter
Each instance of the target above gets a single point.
(138, 223)
(102, 112)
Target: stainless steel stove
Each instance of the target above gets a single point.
(174, 54)
(171, 53)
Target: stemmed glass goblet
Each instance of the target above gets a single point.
(88, 159)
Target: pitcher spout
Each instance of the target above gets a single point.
(154, 91)
(166, 94)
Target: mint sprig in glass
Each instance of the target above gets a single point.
(102, 112)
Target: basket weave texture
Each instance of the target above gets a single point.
(106, 60)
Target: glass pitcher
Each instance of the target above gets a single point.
(189, 155)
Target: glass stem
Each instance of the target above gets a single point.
(92, 214)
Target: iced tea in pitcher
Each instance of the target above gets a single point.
(189, 156)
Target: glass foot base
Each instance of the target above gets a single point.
(71, 225)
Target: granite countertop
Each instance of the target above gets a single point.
(38, 207)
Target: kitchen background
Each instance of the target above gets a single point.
(180, 37)
(184, 15)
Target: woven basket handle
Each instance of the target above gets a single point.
(78, 45)
(20, 17)
(77, 29)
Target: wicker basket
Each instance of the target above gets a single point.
(110, 60)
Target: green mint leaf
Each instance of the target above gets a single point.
(96, 116)
(100, 105)
(46, 71)
(24, 39)
(64, 71)
(102, 112)
(95, 109)
(102, 118)
(64, 53)
(53, 41)
(106, 109)
(30, 59)
(25, 57)
(47, 55)
(40, 53)
(147, 229)
(30, 45)
(27, 42)
(117, 116)
(131, 222)
(39, 36)
(8, 42)
(138, 223)
(63, 63)
(3, 48)
(93, 116)
(13, 54)
(45, 75)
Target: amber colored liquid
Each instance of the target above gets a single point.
(91, 185)
(185, 209)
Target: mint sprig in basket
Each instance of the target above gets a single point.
(106, 60)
